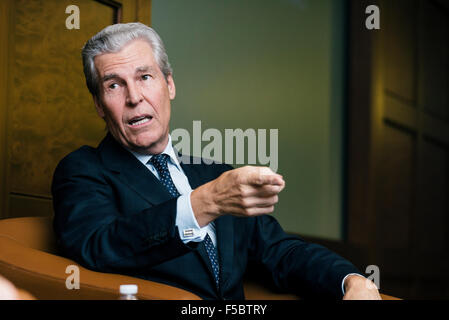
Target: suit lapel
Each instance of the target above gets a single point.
(132, 172)
(196, 179)
(225, 240)
(223, 226)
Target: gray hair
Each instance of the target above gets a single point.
(112, 39)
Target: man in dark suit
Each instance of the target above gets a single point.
(134, 206)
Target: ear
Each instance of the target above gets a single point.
(171, 87)
(98, 107)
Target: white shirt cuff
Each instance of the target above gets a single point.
(343, 282)
(189, 229)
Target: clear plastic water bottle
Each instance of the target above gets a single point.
(128, 292)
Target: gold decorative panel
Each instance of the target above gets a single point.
(53, 112)
(49, 111)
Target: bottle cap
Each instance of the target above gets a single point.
(128, 289)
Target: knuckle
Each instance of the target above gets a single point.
(245, 203)
(243, 192)
(266, 171)
(268, 189)
(234, 176)
(258, 178)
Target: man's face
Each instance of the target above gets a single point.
(134, 97)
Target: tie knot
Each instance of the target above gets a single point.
(159, 161)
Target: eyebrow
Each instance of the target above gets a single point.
(109, 77)
(138, 70)
(144, 69)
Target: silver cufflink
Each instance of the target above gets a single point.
(188, 233)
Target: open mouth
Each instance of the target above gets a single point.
(138, 121)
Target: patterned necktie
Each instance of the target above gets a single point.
(213, 257)
(159, 161)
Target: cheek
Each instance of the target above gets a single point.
(113, 115)
(160, 104)
(164, 113)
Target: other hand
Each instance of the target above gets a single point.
(360, 288)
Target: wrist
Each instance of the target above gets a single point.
(203, 206)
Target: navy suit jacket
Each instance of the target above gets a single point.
(113, 215)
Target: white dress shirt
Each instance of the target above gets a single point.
(189, 230)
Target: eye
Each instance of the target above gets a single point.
(113, 86)
(146, 77)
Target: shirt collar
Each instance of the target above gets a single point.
(169, 150)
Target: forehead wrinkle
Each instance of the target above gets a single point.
(141, 69)
(117, 59)
(108, 65)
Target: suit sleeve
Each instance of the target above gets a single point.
(295, 265)
(91, 230)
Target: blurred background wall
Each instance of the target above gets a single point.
(363, 115)
(263, 64)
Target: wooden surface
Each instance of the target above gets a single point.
(4, 72)
(52, 111)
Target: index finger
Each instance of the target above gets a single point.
(263, 176)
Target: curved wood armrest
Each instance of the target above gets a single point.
(387, 297)
(43, 275)
(25, 295)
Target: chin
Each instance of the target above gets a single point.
(150, 144)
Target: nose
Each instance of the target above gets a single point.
(134, 96)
